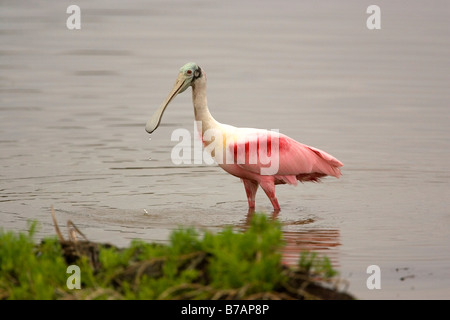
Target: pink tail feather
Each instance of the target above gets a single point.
(327, 164)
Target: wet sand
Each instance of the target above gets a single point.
(73, 106)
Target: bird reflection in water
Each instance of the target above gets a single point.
(323, 241)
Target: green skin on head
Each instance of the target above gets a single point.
(188, 73)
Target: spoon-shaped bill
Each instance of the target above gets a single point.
(155, 120)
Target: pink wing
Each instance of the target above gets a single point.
(255, 149)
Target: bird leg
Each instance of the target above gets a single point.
(269, 189)
(250, 188)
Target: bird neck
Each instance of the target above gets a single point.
(201, 110)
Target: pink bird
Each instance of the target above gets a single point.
(259, 157)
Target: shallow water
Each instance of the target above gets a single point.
(73, 106)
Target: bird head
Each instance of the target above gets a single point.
(187, 76)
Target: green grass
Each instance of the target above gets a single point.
(234, 263)
(311, 263)
(27, 272)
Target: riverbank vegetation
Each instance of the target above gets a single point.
(224, 265)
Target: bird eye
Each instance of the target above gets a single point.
(189, 72)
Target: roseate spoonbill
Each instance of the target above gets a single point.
(244, 146)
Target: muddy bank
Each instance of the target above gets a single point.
(298, 284)
(220, 266)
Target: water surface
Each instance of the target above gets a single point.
(73, 106)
